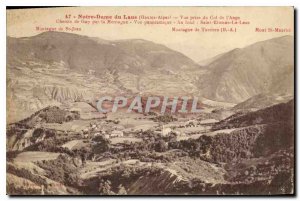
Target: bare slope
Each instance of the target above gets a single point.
(265, 66)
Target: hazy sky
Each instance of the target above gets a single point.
(196, 45)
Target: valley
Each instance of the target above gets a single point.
(58, 143)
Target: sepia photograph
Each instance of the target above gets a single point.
(150, 101)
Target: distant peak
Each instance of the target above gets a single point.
(57, 33)
(134, 40)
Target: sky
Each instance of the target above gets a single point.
(196, 45)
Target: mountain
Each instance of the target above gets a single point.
(261, 101)
(56, 68)
(283, 112)
(60, 144)
(208, 61)
(274, 128)
(92, 54)
(266, 66)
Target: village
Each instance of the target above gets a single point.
(110, 129)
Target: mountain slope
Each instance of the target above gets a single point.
(84, 53)
(55, 68)
(283, 112)
(261, 101)
(266, 66)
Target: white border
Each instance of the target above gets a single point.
(150, 3)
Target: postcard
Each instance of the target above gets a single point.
(150, 101)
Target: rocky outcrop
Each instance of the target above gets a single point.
(156, 184)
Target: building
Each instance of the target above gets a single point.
(208, 122)
(165, 131)
(116, 133)
(97, 134)
(106, 136)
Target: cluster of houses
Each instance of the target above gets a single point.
(204, 124)
(166, 131)
(95, 130)
(195, 123)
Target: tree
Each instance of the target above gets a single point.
(161, 146)
(122, 190)
(102, 145)
(105, 188)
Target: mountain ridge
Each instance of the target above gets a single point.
(257, 68)
(52, 68)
